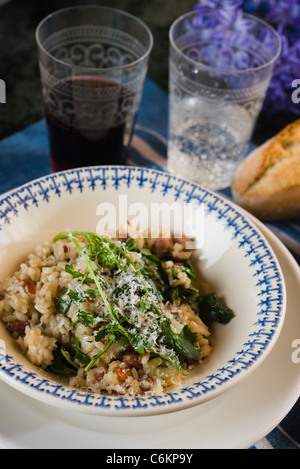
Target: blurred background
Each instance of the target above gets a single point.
(18, 55)
(18, 52)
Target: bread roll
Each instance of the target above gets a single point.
(267, 183)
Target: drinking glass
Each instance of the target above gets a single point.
(93, 62)
(219, 72)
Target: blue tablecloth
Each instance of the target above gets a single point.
(25, 156)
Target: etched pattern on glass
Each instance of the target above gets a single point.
(220, 68)
(95, 47)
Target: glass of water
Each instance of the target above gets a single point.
(219, 71)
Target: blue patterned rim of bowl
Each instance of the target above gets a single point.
(261, 261)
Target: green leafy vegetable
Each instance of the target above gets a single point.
(62, 364)
(130, 244)
(79, 355)
(183, 343)
(212, 309)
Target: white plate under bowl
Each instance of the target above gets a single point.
(237, 419)
(234, 257)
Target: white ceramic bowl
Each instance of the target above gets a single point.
(233, 256)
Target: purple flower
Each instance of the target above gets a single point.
(224, 4)
(286, 69)
(284, 15)
(251, 5)
(243, 23)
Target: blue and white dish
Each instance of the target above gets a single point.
(232, 255)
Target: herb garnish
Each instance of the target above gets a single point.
(212, 309)
(130, 295)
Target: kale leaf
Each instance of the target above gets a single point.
(61, 363)
(212, 309)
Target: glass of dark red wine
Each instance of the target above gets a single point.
(93, 62)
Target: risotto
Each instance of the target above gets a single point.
(123, 317)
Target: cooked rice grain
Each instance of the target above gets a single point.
(28, 307)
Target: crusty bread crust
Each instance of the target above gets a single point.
(267, 183)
